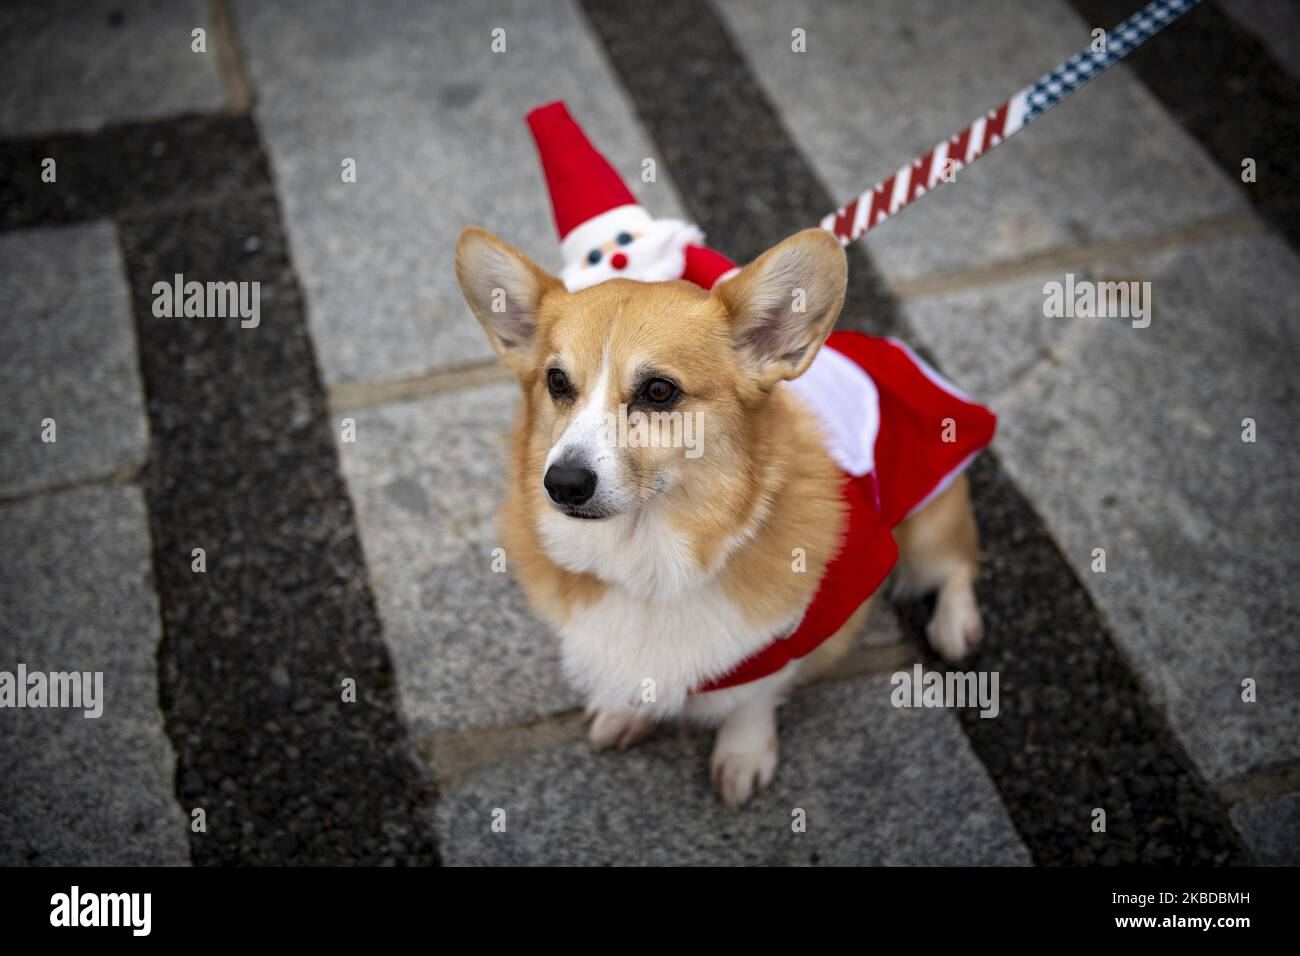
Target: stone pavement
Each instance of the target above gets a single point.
(76, 564)
(1115, 437)
(79, 64)
(69, 358)
(76, 790)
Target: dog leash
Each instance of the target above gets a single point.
(927, 173)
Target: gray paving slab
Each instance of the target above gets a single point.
(877, 785)
(434, 120)
(1010, 314)
(427, 480)
(1131, 441)
(67, 353)
(1272, 828)
(77, 595)
(79, 64)
(881, 85)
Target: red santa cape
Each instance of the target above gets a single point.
(898, 430)
(886, 416)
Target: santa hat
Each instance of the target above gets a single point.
(590, 201)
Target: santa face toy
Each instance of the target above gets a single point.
(707, 587)
(604, 232)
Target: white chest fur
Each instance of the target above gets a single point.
(663, 627)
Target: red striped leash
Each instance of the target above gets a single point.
(940, 164)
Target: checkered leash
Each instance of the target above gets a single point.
(926, 173)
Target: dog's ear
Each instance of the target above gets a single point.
(784, 304)
(504, 288)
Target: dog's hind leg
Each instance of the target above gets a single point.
(939, 551)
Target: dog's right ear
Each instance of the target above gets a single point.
(504, 288)
(784, 304)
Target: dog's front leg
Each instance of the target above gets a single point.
(745, 752)
(621, 728)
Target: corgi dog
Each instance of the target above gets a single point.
(706, 582)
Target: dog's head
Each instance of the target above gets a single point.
(637, 390)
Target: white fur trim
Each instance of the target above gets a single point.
(847, 403)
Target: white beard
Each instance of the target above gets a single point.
(658, 254)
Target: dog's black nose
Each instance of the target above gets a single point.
(568, 485)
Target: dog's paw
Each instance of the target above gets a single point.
(740, 775)
(955, 628)
(610, 728)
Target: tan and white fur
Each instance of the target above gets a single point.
(660, 571)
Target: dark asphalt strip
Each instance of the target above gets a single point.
(242, 464)
(150, 166)
(1076, 731)
(1223, 86)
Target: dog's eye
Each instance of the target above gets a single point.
(557, 381)
(594, 256)
(658, 391)
(624, 238)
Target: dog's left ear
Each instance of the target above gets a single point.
(784, 304)
(504, 288)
